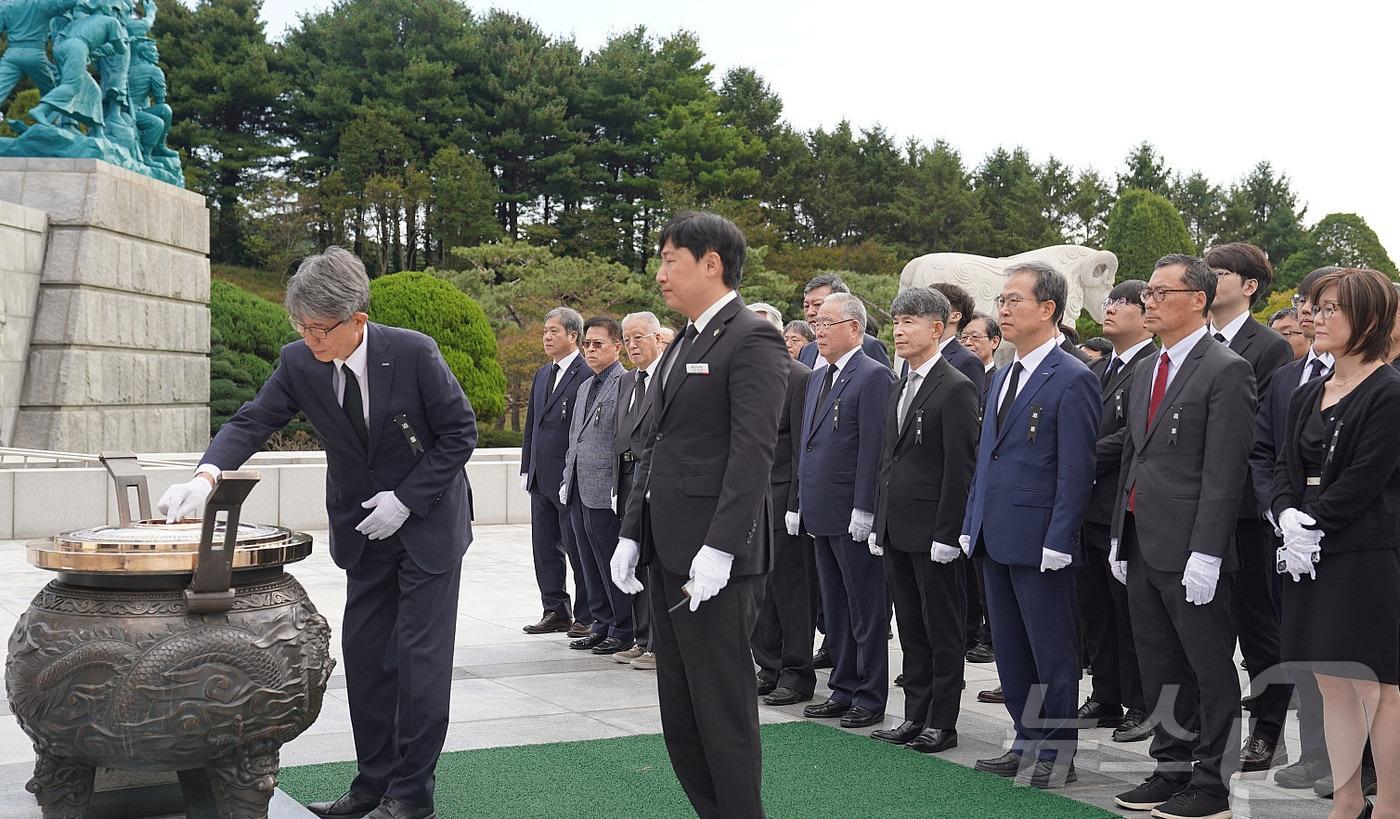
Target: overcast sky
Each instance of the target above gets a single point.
(1215, 86)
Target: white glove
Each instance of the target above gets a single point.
(184, 499)
(793, 522)
(612, 501)
(564, 493)
(709, 573)
(1119, 568)
(965, 543)
(1294, 527)
(388, 515)
(1298, 559)
(874, 547)
(1200, 577)
(1053, 561)
(1269, 516)
(861, 524)
(943, 553)
(524, 483)
(624, 565)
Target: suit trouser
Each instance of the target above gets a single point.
(1187, 655)
(551, 538)
(978, 629)
(782, 637)
(400, 691)
(930, 600)
(1257, 619)
(595, 531)
(1103, 604)
(1032, 615)
(857, 623)
(705, 682)
(641, 601)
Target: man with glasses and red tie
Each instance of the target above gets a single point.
(1189, 427)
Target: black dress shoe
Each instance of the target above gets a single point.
(551, 622)
(981, 653)
(1102, 716)
(766, 686)
(1046, 774)
(612, 645)
(350, 805)
(934, 740)
(822, 659)
(899, 680)
(1259, 755)
(1135, 727)
(994, 695)
(580, 629)
(1193, 803)
(1008, 764)
(900, 734)
(861, 717)
(826, 710)
(1302, 774)
(785, 696)
(394, 809)
(1154, 791)
(588, 643)
(1366, 811)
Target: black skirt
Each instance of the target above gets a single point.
(1346, 623)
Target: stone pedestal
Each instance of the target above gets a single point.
(119, 352)
(23, 232)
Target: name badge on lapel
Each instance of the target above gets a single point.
(918, 426)
(698, 369)
(1035, 422)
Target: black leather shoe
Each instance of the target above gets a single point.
(1302, 774)
(588, 643)
(1046, 774)
(1102, 716)
(994, 695)
(899, 681)
(826, 710)
(934, 740)
(766, 686)
(1005, 765)
(1135, 727)
(350, 805)
(1193, 803)
(785, 696)
(1258, 755)
(861, 717)
(900, 734)
(612, 645)
(394, 809)
(1154, 791)
(1366, 811)
(551, 622)
(822, 659)
(580, 629)
(981, 653)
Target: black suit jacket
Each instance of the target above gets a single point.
(1269, 427)
(926, 465)
(870, 345)
(1110, 446)
(709, 451)
(1359, 504)
(786, 457)
(1266, 351)
(987, 376)
(546, 439)
(631, 434)
(966, 362)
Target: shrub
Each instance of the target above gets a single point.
(1142, 228)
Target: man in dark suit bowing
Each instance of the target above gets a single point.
(397, 431)
(542, 453)
(926, 463)
(1243, 276)
(1103, 601)
(816, 291)
(699, 516)
(843, 429)
(1035, 466)
(1190, 426)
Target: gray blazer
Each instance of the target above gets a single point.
(591, 433)
(1188, 465)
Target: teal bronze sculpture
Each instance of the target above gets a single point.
(120, 115)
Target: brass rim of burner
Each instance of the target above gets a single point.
(67, 554)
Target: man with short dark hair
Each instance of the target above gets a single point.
(963, 308)
(813, 295)
(1243, 276)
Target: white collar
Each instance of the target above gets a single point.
(1327, 359)
(704, 319)
(1130, 353)
(1178, 351)
(650, 369)
(567, 361)
(989, 366)
(845, 359)
(359, 358)
(1031, 360)
(924, 368)
(1229, 330)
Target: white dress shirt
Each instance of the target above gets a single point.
(1029, 363)
(914, 380)
(1128, 354)
(1231, 328)
(1177, 353)
(1327, 360)
(358, 362)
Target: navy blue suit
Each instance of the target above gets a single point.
(401, 592)
(964, 361)
(542, 452)
(870, 345)
(839, 470)
(1029, 491)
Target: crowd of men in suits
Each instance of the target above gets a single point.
(1050, 514)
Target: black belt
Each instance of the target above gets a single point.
(629, 457)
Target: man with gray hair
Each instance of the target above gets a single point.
(397, 431)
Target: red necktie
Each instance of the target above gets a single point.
(1159, 391)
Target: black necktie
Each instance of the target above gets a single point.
(354, 406)
(1318, 368)
(1113, 367)
(640, 390)
(826, 385)
(596, 391)
(1220, 337)
(553, 379)
(1011, 384)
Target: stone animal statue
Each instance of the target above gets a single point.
(1090, 273)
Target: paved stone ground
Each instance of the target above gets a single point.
(511, 688)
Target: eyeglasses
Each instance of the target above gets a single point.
(972, 337)
(1328, 309)
(595, 344)
(1159, 294)
(637, 339)
(1290, 333)
(1114, 304)
(1012, 301)
(319, 332)
(827, 325)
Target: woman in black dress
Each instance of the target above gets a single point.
(1338, 504)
